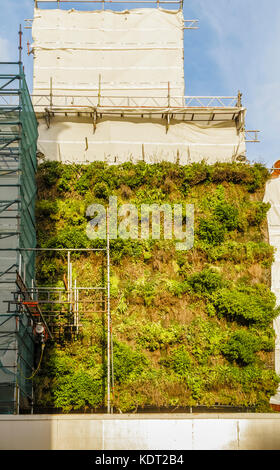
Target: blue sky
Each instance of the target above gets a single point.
(235, 48)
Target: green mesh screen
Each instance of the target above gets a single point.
(18, 137)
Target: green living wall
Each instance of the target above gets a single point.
(189, 327)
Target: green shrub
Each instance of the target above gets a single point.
(206, 281)
(257, 213)
(266, 338)
(50, 172)
(46, 208)
(241, 252)
(71, 384)
(252, 176)
(227, 215)
(71, 211)
(259, 175)
(48, 270)
(244, 385)
(90, 174)
(67, 178)
(211, 231)
(149, 196)
(78, 391)
(132, 175)
(242, 347)
(177, 288)
(251, 379)
(205, 339)
(236, 173)
(246, 304)
(69, 238)
(128, 364)
(120, 248)
(101, 190)
(82, 185)
(212, 199)
(145, 288)
(194, 174)
(154, 336)
(179, 361)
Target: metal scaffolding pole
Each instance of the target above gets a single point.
(18, 138)
(108, 320)
(45, 297)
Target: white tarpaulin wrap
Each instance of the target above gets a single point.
(136, 49)
(118, 141)
(85, 60)
(272, 195)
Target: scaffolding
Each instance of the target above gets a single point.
(23, 303)
(98, 74)
(201, 109)
(61, 305)
(58, 3)
(18, 138)
(106, 100)
(64, 311)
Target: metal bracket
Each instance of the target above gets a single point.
(47, 117)
(191, 24)
(251, 136)
(95, 117)
(28, 23)
(168, 119)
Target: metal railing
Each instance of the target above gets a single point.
(173, 3)
(53, 101)
(188, 24)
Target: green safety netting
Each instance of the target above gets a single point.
(18, 139)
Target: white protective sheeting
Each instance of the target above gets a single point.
(123, 59)
(121, 140)
(272, 195)
(132, 50)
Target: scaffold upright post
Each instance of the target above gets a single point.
(108, 318)
(20, 44)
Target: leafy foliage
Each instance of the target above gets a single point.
(154, 336)
(243, 346)
(179, 361)
(128, 364)
(189, 327)
(211, 232)
(246, 304)
(227, 214)
(206, 281)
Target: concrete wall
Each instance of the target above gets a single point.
(141, 432)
